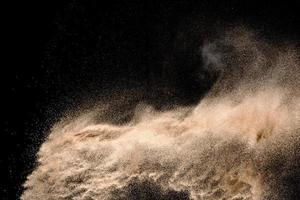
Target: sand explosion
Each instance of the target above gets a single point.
(241, 141)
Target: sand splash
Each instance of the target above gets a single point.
(230, 146)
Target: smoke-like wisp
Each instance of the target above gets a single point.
(230, 146)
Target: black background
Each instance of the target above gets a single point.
(63, 53)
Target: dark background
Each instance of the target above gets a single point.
(62, 54)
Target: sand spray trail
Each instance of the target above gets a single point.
(240, 142)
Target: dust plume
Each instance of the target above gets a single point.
(241, 141)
